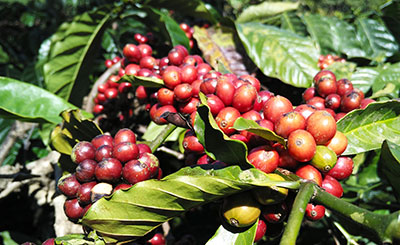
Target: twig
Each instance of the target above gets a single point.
(176, 154)
(88, 102)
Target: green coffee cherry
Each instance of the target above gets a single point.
(324, 158)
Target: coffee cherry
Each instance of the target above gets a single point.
(157, 117)
(208, 86)
(309, 94)
(308, 172)
(122, 186)
(143, 148)
(188, 74)
(203, 68)
(344, 86)
(100, 190)
(339, 116)
(215, 104)
(50, 241)
(332, 186)
(84, 192)
(262, 97)
(152, 163)
(322, 75)
(326, 86)
(225, 91)
(111, 93)
(332, 101)
(260, 231)
(157, 239)
(338, 143)
(226, 118)
(172, 77)
(324, 158)
(102, 139)
(351, 101)
(301, 145)
(176, 56)
(135, 171)
(85, 170)
(317, 102)
(240, 210)
(144, 72)
(315, 212)
(192, 144)
(82, 150)
(322, 126)
(366, 102)
(252, 81)
(289, 122)
(286, 160)
(148, 62)
(125, 151)
(342, 169)
(108, 170)
(145, 49)
(244, 98)
(252, 115)
(68, 185)
(132, 69)
(275, 107)
(108, 63)
(124, 135)
(189, 107)
(73, 210)
(264, 158)
(183, 92)
(132, 52)
(275, 213)
(305, 110)
(104, 151)
(165, 96)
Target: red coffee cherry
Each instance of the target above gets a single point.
(244, 98)
(157, 239)
(176, 56)
(315, 212)
(82, 150)
(322, 126)
(301, 145)
(172, 77)
(122, 186)
(203, 68)
(275, 213)
(102, 88)
(286, 160)
(289, 122)
(215, 104)
(132, 52)
(152, 163)
(165, 96)
(143, 148)
(68, 185)
(148, 62)
(225, 91)
(351, 101)
(322, 75)
(308, 172)
(226, 118)
(208, 86)
(366, 102)
(252, 115)
(264, 158)
(145, 49)
(108, 63)
(188, 74)
(104, 151)
(342, 169)
(252, 80)
(73, 210)
(332, 186)
(189, 107)
(326, 86)
(191, 143)
(332, 101)
(144, 72)
(275, 107)
(84, 172)
(158, 119)
(262, 97)
(98, 109)
(240, 138)
(108, 170)
(124, 135)
(84, 192)
(260, 231)
(132, 69)
(309, 94)
(125, 151)
(305, 110)
(338, 143)
(111, 93)
(102, 139)
(339, 116)
(135, 171)
(183, 92)
(344, 86)
(317, 102)
(141, 93)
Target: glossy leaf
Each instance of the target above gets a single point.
(132, 213)
(376, 40)
(364, 77)
(151, 82)
(78, 239)
(291, 22)
(391, 17)
(342, 69)
(258, 12)
(71, 55)
(367, 129)
(176, 34)
(217, 144)
(253, 127)
(218, 47)
(280, 53)
(153, 130)
(390, 165)
(26, 102)
(224, 236)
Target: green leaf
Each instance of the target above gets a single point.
(151, 82)
(253, 127)
(342, 69)
(390, 165)
(217, 144)
(291, 22)
(280, 53)
(153, 130)
(367, 129)
(132, 213)
(4, 58)
(7, 239)
(376, 40)
(219, 49)
(176, 34)
(223, 236)
(78, 239)
(334, 35)
(26, 102)
(263, 10)
(72, 53)
(364, 77)
(391, 17)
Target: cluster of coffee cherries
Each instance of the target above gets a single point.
(188, 32)
(338, 97)
(326, 60)
(105, 165)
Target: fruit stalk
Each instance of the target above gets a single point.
(162, 137)
(296, 216)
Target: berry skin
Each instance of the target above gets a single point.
(122, 186)
(301, 145)
(344, 86)
(225, 90)
(326, 86)
(102, 139)
(145, 49)
(244, 98)
(275, 213)
(264, 158)
(332, 101)
(350, 101)
(165, 96)
(68, 185)
(152, 163)
(226, 118)
(108, 170)
(275, 107)
(309, 94)
(157, 239)
(183, 92)
(192, 144)
(125, 151)
(322, 126)
(315, 212)
(98, 109)
(84, 192)
(317, 102)
(85, 170)
(157, 117)
(104, 151)
(135, 171)
(338, 143)
(215, 104)
(82, 150)
(73, 209)
(305, 110)
(332, 186)
(324, 158)
(289, 122)
(132, 52)
(308, 172)
(251, 80)
(124, 135)
(189, 107)
(342, 169)
(143, 148)
(188, 74)
(261, 229)
(240, 210)
(172, 77)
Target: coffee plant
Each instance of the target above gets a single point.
(202, 122)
